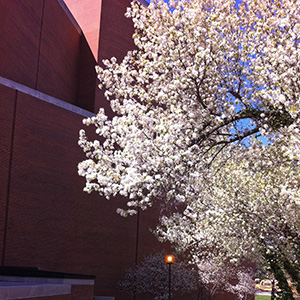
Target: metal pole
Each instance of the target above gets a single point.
(169, 259)
(170, 281)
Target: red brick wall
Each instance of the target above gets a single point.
(59, 53)
(86, 77)
(115, 30)
(7, 103)
(20, 25)
(46, 53)
(82, 292)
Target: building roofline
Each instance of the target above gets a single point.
(44, 97)
(36, 273)
(70, 16)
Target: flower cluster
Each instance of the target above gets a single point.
(207, 116)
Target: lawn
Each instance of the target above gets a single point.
(260, 297)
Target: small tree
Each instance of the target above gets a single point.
(151, 278)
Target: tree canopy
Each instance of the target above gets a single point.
(207, 119)
(152, 277)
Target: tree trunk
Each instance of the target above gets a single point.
(279, 275)
(293, 272)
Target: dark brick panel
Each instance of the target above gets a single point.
(115, 30)
(147, 242)
(46, 53)
(82, 292)
(7, 103)
(20, 23)
(57, 74)
(87, 77)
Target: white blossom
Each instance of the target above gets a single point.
(206, 124)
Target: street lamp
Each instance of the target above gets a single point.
(170, 259)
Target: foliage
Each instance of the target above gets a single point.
(152, 278)
(247, 210)
(207, 125)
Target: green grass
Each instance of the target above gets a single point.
(260, 297)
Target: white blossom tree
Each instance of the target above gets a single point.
(207, 81)
(151, 278)
(249, 208)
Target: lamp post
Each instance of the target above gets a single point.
(170, 259)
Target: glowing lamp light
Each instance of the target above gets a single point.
(170, 259)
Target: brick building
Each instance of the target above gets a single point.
(47, 86)
(48, 51)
